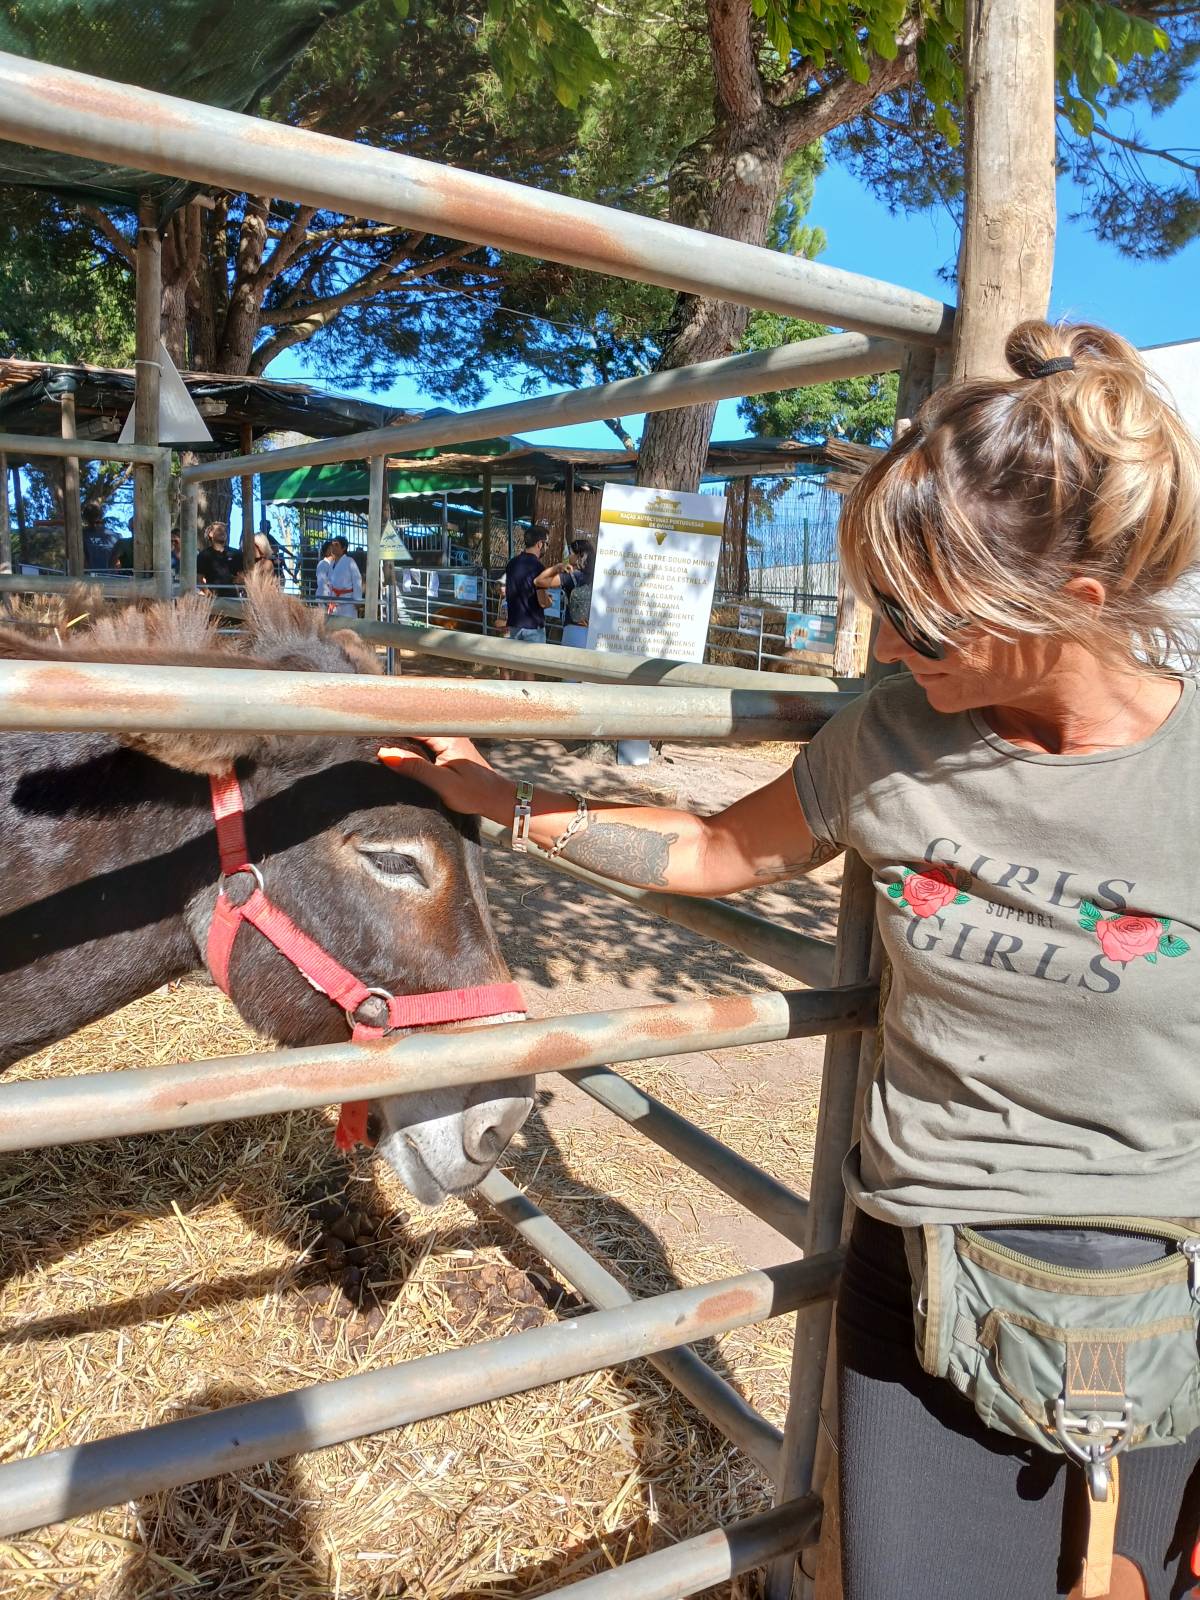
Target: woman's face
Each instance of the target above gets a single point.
(977, 669)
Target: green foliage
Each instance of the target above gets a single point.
(61, 299)
(534, 44)
(859, 409)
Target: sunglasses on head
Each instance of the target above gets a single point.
(914, 637)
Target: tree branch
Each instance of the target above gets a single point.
(108, 228)
(739, 86)
(383, 278)
(841, 99)
(1145, 150)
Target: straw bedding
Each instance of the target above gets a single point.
(157, 1277)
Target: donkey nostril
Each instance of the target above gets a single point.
(488, 1129)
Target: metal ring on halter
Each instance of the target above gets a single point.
(352, 1017)
(236, 872)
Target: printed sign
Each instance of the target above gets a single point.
(806, 631)
(391, 545)
(749, 620)
(466, 587)
(656, 568)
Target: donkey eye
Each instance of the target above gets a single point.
(396, 867)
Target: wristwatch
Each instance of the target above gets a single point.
(522, 816)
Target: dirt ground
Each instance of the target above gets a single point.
(152, 1278)
(574, 948)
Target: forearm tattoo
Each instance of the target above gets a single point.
(617, 850)
(821, 852)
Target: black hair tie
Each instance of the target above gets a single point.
(1055, 364)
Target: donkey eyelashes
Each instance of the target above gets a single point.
(398, 866)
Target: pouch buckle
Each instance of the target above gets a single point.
(1083, 1439)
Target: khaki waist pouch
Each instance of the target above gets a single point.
(1083, 1361)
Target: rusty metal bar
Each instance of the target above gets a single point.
(831, 357)
(72, 1482)
(711, 1395)
(109, 1105)
(707, 1560)
(70, 696)
(798, 955)
(777, 1205)
(133, 127)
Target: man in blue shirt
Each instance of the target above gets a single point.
(526, 621)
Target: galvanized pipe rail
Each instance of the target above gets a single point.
(709, 1558)
(711, 1395)
(72, 1482)
(761, 1194)
(132, 127)
(831, 357)
(69, 696)
(584, 666)
(110, 1105)
(797, 955)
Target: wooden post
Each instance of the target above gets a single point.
(19, 506)
(485, 533)
(161, 563)
(1007, 253)
(6, 549)
(568, 509)
(743, 569)
(249, 553)
(145, 392)
(189, 516)
(376, 502)
(508, 516)
(70, 482)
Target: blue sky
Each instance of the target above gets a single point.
(1150, 302)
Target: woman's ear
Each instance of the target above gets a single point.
(1090, 591)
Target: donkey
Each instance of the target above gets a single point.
(113, 870)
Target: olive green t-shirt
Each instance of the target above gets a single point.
(1042, 917)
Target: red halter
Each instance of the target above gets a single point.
(317, 965)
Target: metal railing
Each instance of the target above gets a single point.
(136, 128)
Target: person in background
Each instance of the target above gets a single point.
(176, 552)
(218, 568)
(344, 581)
(574, 579)
(98, 541)
(264, 555)
(324, 568)
(524, 609)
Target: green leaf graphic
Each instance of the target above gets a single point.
(1087, 909)
(1171, 945)
(1088, 924)
(961, 900)
(1152, 958)
(895, 891)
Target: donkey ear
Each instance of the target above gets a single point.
(360, 654)
(205, 753)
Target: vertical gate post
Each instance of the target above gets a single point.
(189, 514)
(163, 577)
(72, 524)
(6, 549)
(485, 533)
(146, 379)
(375, 520)
(849, 1063)
(249, 550)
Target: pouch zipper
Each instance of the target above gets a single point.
(1186, 1243)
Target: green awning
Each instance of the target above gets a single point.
(223, 53)
(346, 482)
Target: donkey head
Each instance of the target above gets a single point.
(372, 868)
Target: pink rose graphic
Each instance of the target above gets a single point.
(1125, 938)
(926, 892)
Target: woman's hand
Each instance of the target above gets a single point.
(453, 769)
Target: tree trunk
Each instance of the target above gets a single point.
(1007, 254)
(743, 182)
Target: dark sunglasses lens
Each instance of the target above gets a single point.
(931, 649)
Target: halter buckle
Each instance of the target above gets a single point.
(353, 1018)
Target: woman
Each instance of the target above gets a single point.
(324, 569)
(1025, 795)
(575, 581)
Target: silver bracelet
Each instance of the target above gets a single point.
(576, 825)
(522, 816)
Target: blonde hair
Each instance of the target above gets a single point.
(1003, 489)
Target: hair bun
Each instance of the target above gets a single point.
(1032, 346)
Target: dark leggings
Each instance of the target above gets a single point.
(934, 1504)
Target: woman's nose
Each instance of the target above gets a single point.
(888, 645)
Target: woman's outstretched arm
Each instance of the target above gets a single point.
(762, 838)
